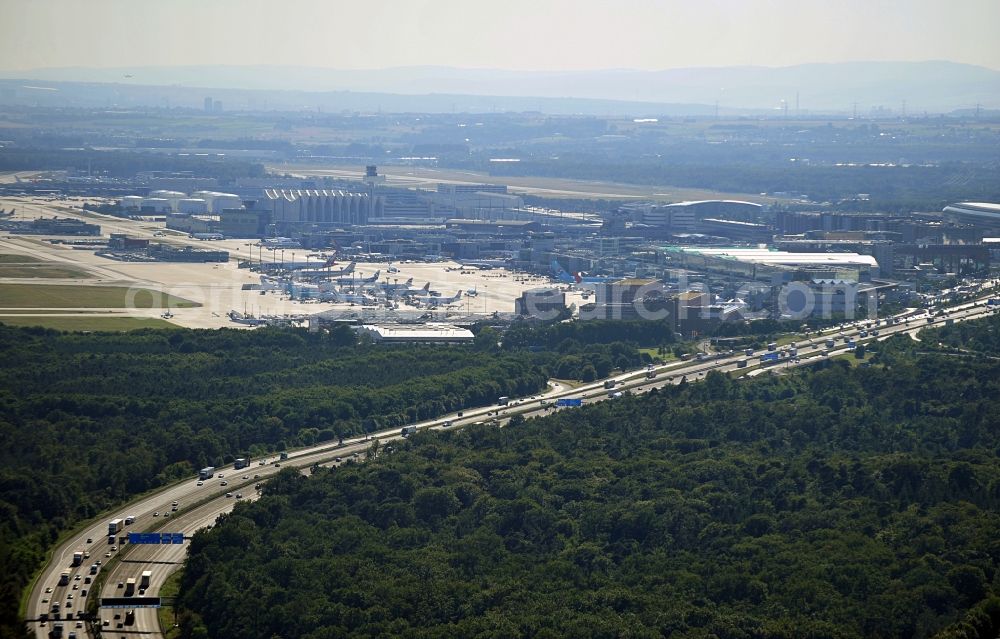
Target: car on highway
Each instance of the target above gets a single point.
(121, 584)
(256, 476)
(201, 483)
(229, 495)
(225, 483)
(220, 475)
(246, 476)
(107, 555)
(90, 540)
(49, 589)
(165, 515)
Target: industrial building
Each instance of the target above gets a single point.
(736, 230)
(882, 250)
(417, 334)
(297, 209)
(542, 303)
(497, 227)
(692, 313)
(178, 202)
(633, 298)
(773, 265)
(50, 226)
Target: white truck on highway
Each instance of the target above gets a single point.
(144, 579)
(114, 527)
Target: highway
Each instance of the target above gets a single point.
(199, 506)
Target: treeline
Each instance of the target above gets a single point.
(550, 336)
(124, 163)
(588, 350)
(839, 502)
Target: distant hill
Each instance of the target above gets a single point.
(933, 86)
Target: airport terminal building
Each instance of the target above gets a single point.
(984, 215)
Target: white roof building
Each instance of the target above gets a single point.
(784, 258)
(418, 333)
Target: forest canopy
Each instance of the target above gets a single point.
(838, 502)
(90, 420)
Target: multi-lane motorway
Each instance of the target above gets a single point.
(199, 505)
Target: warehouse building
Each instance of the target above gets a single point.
(417, 334)
(772, 265)
(298, 209)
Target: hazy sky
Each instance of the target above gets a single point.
(511, 34)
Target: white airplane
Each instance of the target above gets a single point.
(351, 298)
(441, 301)
(414, 292)
(323, 273)
(240, 318)
(280, 243)
(272, 284)
(350, 280)
(395, 289)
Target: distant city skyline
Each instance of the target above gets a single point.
(530, 35)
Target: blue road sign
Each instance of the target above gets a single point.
(130, 602)
(569, 401)
(155, 538)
